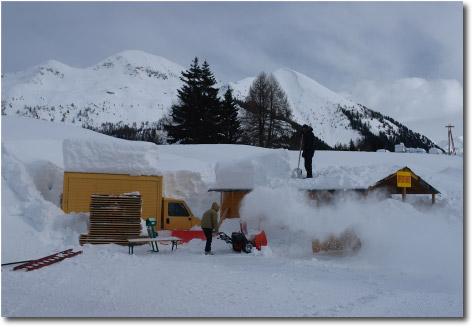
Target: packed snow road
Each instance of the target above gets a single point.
(107, 282)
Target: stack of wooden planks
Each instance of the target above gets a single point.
(113, 219)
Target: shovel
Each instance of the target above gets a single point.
(297, 172)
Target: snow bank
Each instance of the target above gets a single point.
(190, 186)
(34, 223)
(250, 171)
(113, 157)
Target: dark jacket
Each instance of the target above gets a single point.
(308, 143)
(210, 218)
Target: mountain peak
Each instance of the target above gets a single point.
(139, 59)
(135, 87)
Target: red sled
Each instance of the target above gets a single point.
(187, 235)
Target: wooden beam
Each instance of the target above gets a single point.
(223, 216)
(434, 197)
(404, 194)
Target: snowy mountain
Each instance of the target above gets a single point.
(134, 88)
(130, 87)
(321, 108)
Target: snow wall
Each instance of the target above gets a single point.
(112, 157)
(258, 169)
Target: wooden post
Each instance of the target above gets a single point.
(404, 194)
(223, 216)
(434, 198)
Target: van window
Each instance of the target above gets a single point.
(177, 209)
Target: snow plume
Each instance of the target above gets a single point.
(395, 236)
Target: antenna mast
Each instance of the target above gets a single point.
(450, 140)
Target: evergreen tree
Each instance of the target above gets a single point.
(212, 124)
(184, 115)
(231, 124)
(352, 147)
(196, 118)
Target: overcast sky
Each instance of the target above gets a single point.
(403, 59)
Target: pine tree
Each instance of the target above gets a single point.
(352, 147)
(212, 124)
(197, 116)
(184, 116)
(231, 124)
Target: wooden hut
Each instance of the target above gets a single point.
(405, 182)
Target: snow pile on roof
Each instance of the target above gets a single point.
(343, 177)
(253, 170)
(112, 157)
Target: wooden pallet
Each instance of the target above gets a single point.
(113, 219)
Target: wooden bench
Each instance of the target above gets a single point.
(133, 242)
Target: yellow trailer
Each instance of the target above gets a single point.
(170, 214)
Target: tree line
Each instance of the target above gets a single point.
(373, 142)
(199, 116)
(263, 118)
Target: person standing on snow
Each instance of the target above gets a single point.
(210, 223)
(308, 149)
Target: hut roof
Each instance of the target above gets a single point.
(418, 185)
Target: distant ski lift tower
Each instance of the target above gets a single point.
(450, 140)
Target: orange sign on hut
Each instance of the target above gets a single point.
(404, 179)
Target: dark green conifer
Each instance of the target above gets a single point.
(231, 123)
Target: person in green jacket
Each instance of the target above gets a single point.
(210, 223)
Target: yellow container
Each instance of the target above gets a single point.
(78, 188)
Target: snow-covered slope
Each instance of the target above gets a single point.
(319, 107)
(134, 87)
(313, 104)
(410, 263)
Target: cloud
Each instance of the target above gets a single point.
(334, 43)
(413, 101)
(410, 98)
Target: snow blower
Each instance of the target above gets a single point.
(297, 172)
(240, 243)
